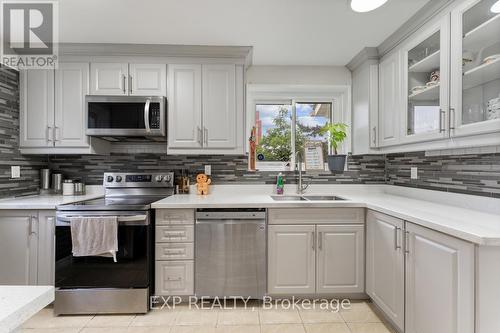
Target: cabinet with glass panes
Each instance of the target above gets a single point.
(477, 103)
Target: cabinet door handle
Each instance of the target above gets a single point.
(200, 139)
(407, 242)
(56, 134)
(441, 121)
(50, 134)
(32, 230)
(374, 135)
(313, 241)
(130, 84)
(397, 246)
(205, 135)
(451, 119)
(123, 82)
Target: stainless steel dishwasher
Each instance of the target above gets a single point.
(230, 253)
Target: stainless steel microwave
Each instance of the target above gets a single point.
(126, 116)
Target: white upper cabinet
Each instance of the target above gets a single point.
(219, 106)
(109, 78)
(426, 83)
(134, 79)
(475, 69)
(184, 106)
(147, 79)
(439, 282)
(37, 108)
(385, 265)
(291, 259)
(72, 84)
(340, 263)
(389, 100)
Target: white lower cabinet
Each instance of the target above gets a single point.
(27, 242)
(174, 252)
(422, 280)
(439, 282)
(312, 259)
(385, 265)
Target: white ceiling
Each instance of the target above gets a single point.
(282, 32)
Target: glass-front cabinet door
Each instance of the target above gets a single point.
(425, 82)
(475, 81)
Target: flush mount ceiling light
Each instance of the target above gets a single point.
(363, 6)
(496, 7)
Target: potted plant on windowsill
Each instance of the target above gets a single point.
(337, 133)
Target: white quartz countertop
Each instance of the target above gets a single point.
(19, 303)
(472, 218)
(49, 201)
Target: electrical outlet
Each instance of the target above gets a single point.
(15, 171)
(208, 169)
(414, 173)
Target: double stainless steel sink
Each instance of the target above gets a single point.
(306, 198)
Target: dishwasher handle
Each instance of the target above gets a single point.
(230, 215)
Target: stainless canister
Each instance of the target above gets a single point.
(45, 179)
(57, 179)
(79, 188)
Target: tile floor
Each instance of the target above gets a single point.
(359, 319)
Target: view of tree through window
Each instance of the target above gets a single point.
(274, 126)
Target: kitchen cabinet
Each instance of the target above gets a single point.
(205, 108)
(340, 259)
(475, 69)
(291, 259)
(425, 83)
(174, 249)
(126, 79)
(389, 99)
(385, 265)
(439, 282)
(28, 238)
(305, 257)
(52, 113)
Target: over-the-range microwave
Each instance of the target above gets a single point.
(126, 118)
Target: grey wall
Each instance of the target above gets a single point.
(9, 142)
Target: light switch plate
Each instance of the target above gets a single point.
(414, 173)
(15, 171)
(208, 169)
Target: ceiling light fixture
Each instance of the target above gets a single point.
(363, 6)
(496, 7)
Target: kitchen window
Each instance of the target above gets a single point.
(282, 128)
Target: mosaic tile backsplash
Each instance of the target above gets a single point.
(9, 142)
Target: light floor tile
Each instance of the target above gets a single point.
(110, 321)
(155, 318)
(238, 317)
(320, 316)
(283, 328)
(238, 329)
(360, 312)
(50, 330)
(327, 328)
(198, 318)
(103, 330)
(46, 319)
(279, 317)
(154, 329)
(368, 328)
(192, 329)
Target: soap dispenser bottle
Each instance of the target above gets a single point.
(280, 186)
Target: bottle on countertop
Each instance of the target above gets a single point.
(280, 186)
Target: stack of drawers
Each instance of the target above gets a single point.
(174, 252)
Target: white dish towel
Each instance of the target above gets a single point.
(94, 236)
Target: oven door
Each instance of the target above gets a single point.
(125, 116)
(133, 268)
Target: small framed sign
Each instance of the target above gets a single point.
(313, 155)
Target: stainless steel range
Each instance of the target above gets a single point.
(86, 285)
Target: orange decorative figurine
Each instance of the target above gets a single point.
(202, 183)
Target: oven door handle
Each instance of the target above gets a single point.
(146, 115)
(130, 220)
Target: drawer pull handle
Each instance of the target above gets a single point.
(174, 251)
(174, 279)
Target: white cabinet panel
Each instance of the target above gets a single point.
(147, 79)
(389, 100)
(174, 251)
(184, 106)
(174, 216)
(108, 78)
(46, 247)
(385, 265)
(37, 108)
(340, 264)
(174, 278)
(219, 106)
(291, 259)
(72, 84)
(439, 282)
(18, 244)
(175, 233)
